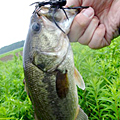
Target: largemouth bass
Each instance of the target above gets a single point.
(49, 70)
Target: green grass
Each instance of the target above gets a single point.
(11, 52)
(100, 70)
(14, 103)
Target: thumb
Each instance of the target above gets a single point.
(74, 3)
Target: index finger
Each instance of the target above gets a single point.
(74, 3)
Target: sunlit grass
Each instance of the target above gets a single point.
(14, 103)
(100, 70)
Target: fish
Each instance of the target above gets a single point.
(49, 70)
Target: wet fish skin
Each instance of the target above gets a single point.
(49, 69)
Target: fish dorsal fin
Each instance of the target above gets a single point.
(78, 79)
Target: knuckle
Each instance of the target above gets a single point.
(83, 41)
(95, 20)
(94, 45)
(99, 33)
(81, 21)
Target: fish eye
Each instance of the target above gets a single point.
(36, 26)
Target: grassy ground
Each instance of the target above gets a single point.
(100, 70)
(14, 103)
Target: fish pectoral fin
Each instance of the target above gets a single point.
(78, 79)
(62, 84)
(81, 114)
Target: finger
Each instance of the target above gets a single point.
(87, 36)
(98, 40)
(80, 23)
(73, 3)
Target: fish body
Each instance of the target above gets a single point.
(49, 68)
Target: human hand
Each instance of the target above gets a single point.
(97, 28)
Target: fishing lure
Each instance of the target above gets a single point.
(56, 4)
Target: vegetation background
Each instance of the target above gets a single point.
(100, 70)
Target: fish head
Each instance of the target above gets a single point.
(49, 45)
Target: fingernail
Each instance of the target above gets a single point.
(88, 12)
